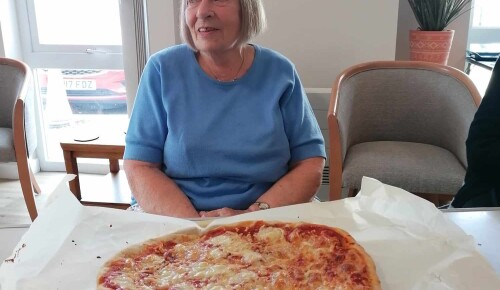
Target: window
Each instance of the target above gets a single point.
(484, 34)
(485, 14)
(75, 49)
(484, 37)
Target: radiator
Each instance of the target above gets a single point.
(319, 99)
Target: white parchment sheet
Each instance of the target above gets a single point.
(413, 245)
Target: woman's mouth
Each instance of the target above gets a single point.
(206, 29)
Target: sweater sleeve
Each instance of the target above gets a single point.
(302, 129)
(147, 129)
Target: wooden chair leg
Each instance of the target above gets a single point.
(445, 199)
(352, 192)
(434, 198)
(27, 187)
(35, 185)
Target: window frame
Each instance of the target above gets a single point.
(62, 56)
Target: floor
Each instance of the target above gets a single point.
(13, 210)
(14, 217)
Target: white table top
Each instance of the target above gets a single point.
(483, 224)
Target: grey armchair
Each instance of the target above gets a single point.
(17, 130)
(404, 123)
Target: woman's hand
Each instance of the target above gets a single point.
(222, 212)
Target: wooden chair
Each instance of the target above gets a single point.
(16, 95)
(402, 122)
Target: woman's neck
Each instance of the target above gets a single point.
(225, 66)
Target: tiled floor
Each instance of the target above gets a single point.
(13, 210)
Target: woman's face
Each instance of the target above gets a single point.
(214, 24)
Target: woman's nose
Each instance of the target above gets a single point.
(205, 9)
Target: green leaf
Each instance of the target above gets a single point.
(436, 15)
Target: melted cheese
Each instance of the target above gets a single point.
(230, 260)
(242, 277)
(270, 234)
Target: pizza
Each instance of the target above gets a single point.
(244, 255)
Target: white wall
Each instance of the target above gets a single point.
(323, 37)
(9, 39)
(162, 23)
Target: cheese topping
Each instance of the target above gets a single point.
(260, 256)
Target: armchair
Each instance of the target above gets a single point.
(402, 122)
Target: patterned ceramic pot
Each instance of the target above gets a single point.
(431, 46)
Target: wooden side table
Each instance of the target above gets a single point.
(111, 190)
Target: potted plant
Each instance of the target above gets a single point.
(432, 41)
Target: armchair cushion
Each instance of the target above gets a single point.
(416, 167)
(7, 153)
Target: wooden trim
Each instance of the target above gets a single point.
(336, 159)
(443, 69)
(20, 145)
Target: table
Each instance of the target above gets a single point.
(484, 225)
(481, 223)
(484, 64)
(481, 58)
(111, 190)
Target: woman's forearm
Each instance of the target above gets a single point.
(155, 192)
(299, 185)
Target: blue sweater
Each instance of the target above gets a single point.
(223, 143)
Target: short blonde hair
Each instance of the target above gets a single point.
(253, 22)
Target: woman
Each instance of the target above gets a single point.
(220, 126)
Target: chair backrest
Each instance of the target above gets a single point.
(12, 78)
(15, 81)
(401, 101)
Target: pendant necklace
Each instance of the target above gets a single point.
(234, 78)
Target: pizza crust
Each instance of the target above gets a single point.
(368, 261)
(200, 257)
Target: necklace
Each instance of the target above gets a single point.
(234, 78)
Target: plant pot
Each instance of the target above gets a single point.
(431, 46)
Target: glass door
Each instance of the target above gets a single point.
(75, 49)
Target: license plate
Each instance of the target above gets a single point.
(77, 84)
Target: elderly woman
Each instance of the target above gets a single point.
(221, 126)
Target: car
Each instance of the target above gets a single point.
(90, 91)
